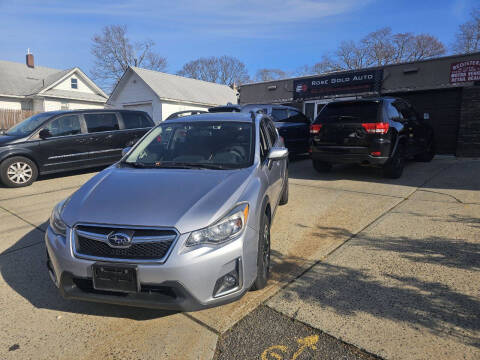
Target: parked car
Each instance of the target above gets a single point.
(291, 123)
(182, 222)
(178, 114)
(380, 131)
(67, 140)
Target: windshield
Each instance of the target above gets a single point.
(28, 125)
(349, 112)
(213, 145)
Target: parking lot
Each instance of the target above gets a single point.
(363, 266)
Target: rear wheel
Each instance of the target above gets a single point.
(263, 257)
(429, 153)
(321, 166)
(18, 171)
(394, 167)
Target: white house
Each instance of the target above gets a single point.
(38, 88)
(162, 94)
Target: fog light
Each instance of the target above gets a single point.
(228, 282)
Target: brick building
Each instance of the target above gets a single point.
(445, 91)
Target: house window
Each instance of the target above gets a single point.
(74, 83)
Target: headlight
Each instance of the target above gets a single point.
(56, 222)
(223, 230)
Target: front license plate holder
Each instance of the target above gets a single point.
(120, 278)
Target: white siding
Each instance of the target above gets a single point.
(56, 104)
(10, 103)
(170, 107)
(135, 94)
(82, 86)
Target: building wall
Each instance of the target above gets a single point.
(135, 94)
(469, 130)
(280, 91)
(10, 103)
(50, 104)
(170, 107)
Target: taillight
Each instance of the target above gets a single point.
(376, 128)
(315, 128)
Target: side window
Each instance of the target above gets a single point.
(133, 120)
(393, 112)
(264, 144)
(64, 126)
(279, 114)
(101, 122)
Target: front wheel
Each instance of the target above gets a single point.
(263, 256)
(321, 166)
(18, 171)
(428, 154)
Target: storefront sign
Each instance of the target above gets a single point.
(340, 83)
(464, 71)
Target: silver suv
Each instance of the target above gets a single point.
(181, 222)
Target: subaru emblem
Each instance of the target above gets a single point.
(120, 239)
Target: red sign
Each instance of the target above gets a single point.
(464, 71)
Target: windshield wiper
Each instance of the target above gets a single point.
(138, 164)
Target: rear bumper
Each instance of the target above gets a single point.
(337, 155)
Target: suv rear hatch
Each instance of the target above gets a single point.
(348, 124)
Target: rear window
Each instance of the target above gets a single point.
(101, 122)
(135, 120)
(349, 112)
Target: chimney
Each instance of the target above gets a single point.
(29, 59)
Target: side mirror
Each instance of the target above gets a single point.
(44, 134)
(126, 150)
(278, 153)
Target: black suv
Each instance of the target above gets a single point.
(290, 122)
(380, 132)
(67, 140)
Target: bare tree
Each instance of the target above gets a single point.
(351, 56)
(270, 74)
(223, 70)
(467, 39)
(114, 52)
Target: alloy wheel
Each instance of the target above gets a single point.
(19, 172)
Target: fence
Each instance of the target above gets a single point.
(8, 117)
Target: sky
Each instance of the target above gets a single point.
(285, 34)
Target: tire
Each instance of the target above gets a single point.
(429, 153)
(18, 171)
(393, 169)
(321, 166)
(263, 255)
(284, 198)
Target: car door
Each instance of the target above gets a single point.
(63, 144)
(415, 137)
(133, 125)
(103, 140)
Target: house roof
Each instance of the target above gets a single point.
(174, 87)
(17, 79)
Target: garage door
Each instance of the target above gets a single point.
(148, 108)
(443, 106)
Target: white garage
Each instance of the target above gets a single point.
(161, 94)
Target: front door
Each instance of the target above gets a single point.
(64, 146)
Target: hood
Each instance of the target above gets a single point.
(8, 139)
(187, 199)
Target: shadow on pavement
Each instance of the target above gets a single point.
(23, 268)
(433, 305)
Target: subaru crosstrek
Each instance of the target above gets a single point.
(181, 222)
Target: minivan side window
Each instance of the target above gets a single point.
(279, 114)
(133, 120)
(64, 126)
(101, 122)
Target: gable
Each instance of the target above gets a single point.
(131, 89)
(82, 86)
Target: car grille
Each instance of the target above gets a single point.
(91, 242)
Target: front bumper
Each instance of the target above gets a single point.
(185, 282)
